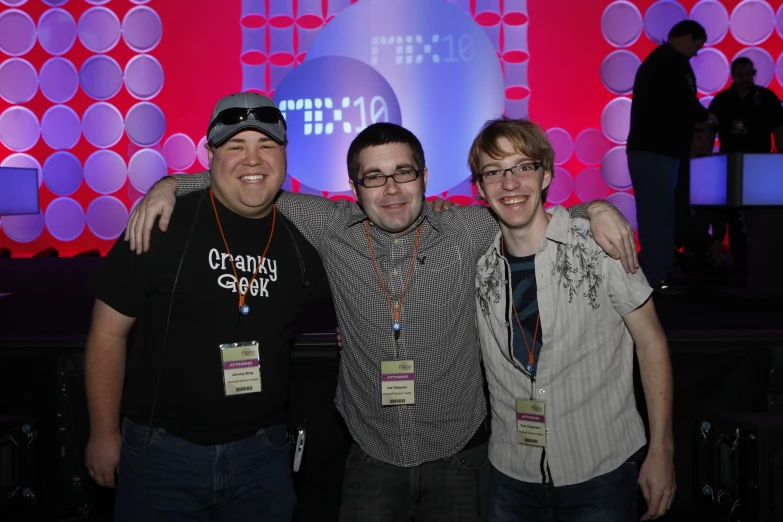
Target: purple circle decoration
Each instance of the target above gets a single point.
(752, 22)
(18, 81)
(65, 219)
(203, 155)
(627, 205)
(618, 71)
(779, 69)
(621, 23)
(55, 3)
(24, 161)
(142, 29)
(102, 125)
(711, 69)
(105, 171)
(705, 101)
(59, 80)
(779, 24)
(561, 142)
(13, 3)
(25, 228)
(140, 2)
(763, 61)
(56, 31)
(60, 127)
(145, 124)
(99, 29)
(614, 169)
(179, 151)
(143, 77)
(62, 173)
(17, 32)
(590, 146)
(97, 2)
(101, 77)
(561, 186)
(145, 168)
(714, 17)
(19, 129)
(616, 119)
(589, 185)
(106, 217)
(661, 17)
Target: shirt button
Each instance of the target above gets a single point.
(542, 391)
(395, 272)
(396, 241)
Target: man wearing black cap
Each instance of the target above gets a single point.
(203, 431)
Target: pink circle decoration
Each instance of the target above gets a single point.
(779, 69)
(24, 161)
(661, 17)
(13, 3)
(765, 64)
(561, 186)
(134, 195)
(101, 77)
(179, 151)
(143, 77)
(62, 173)
(616, 119)
(589, 185)
(145, 168)
(145, 124)
(99, 29)
(561, 142)
(627, 205)
(106, 217)
(56, 31)
(102, 125)
(618, 71)
(59, 80)
(621, 23)
(590, 146)
(711, 69)
(105, 171)
(203, 155)
(714, 17)
(142, 29)
(19, 129)
(24, 228)
(752, 22)
(779, 24)
(65, 219)
(60, 127)
(18, 81)
(17, 32)
(614, 169)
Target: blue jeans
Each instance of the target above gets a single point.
(607, 498)
(654, 179)
(447, 490)
(166, 478)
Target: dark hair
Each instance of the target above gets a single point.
(688, 27)
(739, 62)
(379, 134)
(527, 138)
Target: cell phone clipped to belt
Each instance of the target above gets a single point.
(297, 436)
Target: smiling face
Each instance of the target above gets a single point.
(247, 172)
(517, 201)
(393, 207)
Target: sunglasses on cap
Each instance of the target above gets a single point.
(236, 115)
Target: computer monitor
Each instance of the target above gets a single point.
(18, 191)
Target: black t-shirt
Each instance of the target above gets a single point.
(746, 124)
(523, 283)
(665, 107)
(191, 402)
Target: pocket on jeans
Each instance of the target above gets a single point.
(274, 437)
(473, 459)
(138, 437)
(357, 455)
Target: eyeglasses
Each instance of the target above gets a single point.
(522, 170)
(236, 115)
(379, 180)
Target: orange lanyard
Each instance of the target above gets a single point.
(530, 351)
(243, 308)
(397, 324)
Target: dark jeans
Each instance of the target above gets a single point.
(448, 490)
(166, 478)
(607, 498)
(654, 179)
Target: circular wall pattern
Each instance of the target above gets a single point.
(17, 32)
(711, 69)
(661, 17)
(60, 127)
(145, 168)
(102, 125)
(99, 29)
(101, 77)
(143, 77)
(56, 31)
(62, 173)
(614, 169)
(106, 217)
(105, 171)
(752, 22)
(590, 146)
(24, 228)
(19, 129)
(18, 81)
(616, 119)
(145, 124)
(24, 161)
(142, 29)
(179, 151)
(621, 23)
(627, 205)
(714, 17)
(561, 142)
(763, 61)
(59, 80)
(618, 71)
(65, 219)
(202, 154)
(589, 185)
(561, 186)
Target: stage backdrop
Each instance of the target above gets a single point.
(104, 97)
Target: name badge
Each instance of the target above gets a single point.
(531, 422)
(241, 368)
(397, 380)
